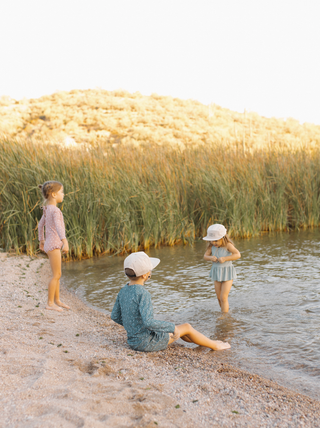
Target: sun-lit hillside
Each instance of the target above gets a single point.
(250, 173)
(103, 117)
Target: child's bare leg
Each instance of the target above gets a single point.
(57, 297)
(225, 290)
(186, 339)
(189, 334)
(55, 263)
(217, 287)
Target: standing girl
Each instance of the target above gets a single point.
(221, 252)
(55, 240)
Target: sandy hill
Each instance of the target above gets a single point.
(118, 117)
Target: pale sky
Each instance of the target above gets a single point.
(254, 54)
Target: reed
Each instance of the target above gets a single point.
(128, 199)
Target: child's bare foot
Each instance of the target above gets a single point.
(54, 307)
(219, 346)
(223, 316)
(63, 305)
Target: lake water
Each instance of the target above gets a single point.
(274, 321)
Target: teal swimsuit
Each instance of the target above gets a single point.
(222, 271)
(133, 310)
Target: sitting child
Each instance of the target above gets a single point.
(133, 310)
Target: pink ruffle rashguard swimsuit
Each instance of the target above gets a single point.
(52, 219)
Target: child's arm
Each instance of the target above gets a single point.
(207, 256)
(41, 225)
(116, 312)
(235, 254)
(60, 228)
(146, 312)
(59, 224)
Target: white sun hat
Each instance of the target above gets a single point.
(140, 263)
(215, 232)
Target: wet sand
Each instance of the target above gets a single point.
(74, 369)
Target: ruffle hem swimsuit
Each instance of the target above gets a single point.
(222, 271)
(52, 219)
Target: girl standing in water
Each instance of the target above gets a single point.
(55, 240)
(221, 252)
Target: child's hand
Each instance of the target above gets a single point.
(65, 248)
(41, 245)
(214, 258)
(176, 334)
(221, 259)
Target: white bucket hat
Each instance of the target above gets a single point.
(140, 263)
(215, 232)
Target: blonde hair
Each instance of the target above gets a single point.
(48, 188)
(225, 240)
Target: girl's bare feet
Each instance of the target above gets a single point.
(54, 307)
(63, 305)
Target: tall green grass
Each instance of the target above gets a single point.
(129, 199)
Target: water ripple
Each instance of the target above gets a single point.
(273, 324)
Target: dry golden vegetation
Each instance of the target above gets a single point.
(99, 117)
(136, 198)
(159, 171)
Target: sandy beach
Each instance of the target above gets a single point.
(74, 369)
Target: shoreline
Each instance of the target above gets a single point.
(75, 369)
(225, 358)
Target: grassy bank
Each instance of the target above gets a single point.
(125, 199)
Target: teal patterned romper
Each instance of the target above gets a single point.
(222, 271)
(133, 310)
